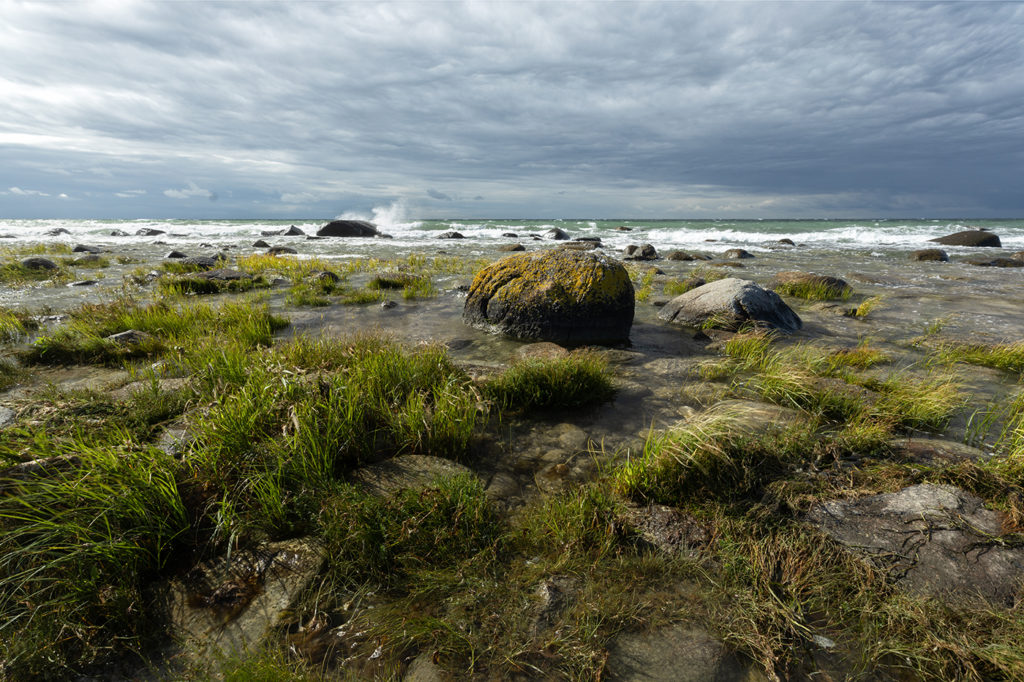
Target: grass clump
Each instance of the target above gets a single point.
(814, 289)
(867, 305)
(83, 339)
(79, 539)
(13, 273)
(15, 325)
(576, 380)
(185, 285)
(387, 539)
(1008, 357)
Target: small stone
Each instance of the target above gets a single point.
(260, 244)
(737, 253)
(148, 232)
(38, 263)
(280, 250)
(176, 254)
(128, 337)
(83, 283)
(82, 248)
(451, 235)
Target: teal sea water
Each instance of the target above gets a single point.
(709, 236)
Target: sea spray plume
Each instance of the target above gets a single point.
(391, 217)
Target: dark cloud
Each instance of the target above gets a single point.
(662, 109)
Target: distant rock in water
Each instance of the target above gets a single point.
(280, 250)
(737, 253)
(38, 263)
(512, 247)
(118, 233)
(56, 232)
(260, 244)
(564, 296)
(937, 255)
(451, 235)
(148, 232)
(176, 254)
(998, 262)
(641, 252)
(557, 233)
(293, 232)
(82, 248)
(348, 228)
(728, 304)
(787, 241)
(205, 262)
(969, 238)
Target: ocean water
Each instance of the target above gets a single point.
(708, 236)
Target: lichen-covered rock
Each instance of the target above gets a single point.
(568, 297)
(728, 304)
(969, 238)
(348, 228)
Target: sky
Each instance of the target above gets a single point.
(511, 109)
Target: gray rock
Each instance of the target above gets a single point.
(680, 256)
(931, 539)
(87, 259)
(936, 451)
(129, 337)
(148, 232)
(38, 263)
(568, 297)
(969, 238)
(82, 248)
(551, 598)
(260, 244)
(666, 528)
(118, 233)
(7, 417)
(511, 247)
(641, 252)
(728, 304)
(511, 235)
(348, 228)
(280, 250)
(786, 241)
(227, 606)
(937, 255)
(56, 232)
(541, 349)
(224, 275)
(293, 232)
(176, 254)
(675, 654)
(556, 233)
(998, 263)
(452, 234)
(405, 471)
(326, 276)
(737, 253)
(83, 283)
(206, 262)
(423, 669)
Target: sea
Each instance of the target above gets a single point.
(881, 236)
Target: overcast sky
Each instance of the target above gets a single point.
(512, 109)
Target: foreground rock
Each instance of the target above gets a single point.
(348, 228)
(38, 263)
(729, 304)
(683, 653)
(931, 540)
(229, 606)
(567, 297)
(969, 238)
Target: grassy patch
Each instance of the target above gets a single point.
(83, 339)
(1008, 357)
(185, 285)
(13, 273)
(579, 379)
(814, 290)
(78, 542)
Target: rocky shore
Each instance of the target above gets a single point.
(571, 462)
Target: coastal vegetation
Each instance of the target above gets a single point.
(488, 513)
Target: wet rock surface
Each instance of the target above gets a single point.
(683, 653)
(930, 540)
(969, 238)
(729, 303)
(348, 228)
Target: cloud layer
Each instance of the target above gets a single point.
(512, 109)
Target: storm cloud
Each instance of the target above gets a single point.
(512, 109)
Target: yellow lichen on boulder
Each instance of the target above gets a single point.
(568, 297)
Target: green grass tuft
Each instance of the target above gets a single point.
(577, 380)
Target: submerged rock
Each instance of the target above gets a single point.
(681, 653)
(280, 250)
(404, 472)
(205, 262)
(998, 263)
(348, 228)
(224, 275)
(728, 304)
(38, 263)
(83, 248)
(228, 606)
(511, 247)
(931, 539)
(737, 253)
(451, 234)
(930, 255)
(969, 238)
(568, 297)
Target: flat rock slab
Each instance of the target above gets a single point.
(931, 539)
(668, 529)
(228, 606)
(406, 471)
(676, 654)
(937, 451)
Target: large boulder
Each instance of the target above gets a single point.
(936, 255)
(348, 228)
(728, 304)
(568, 297)
(969, 238)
